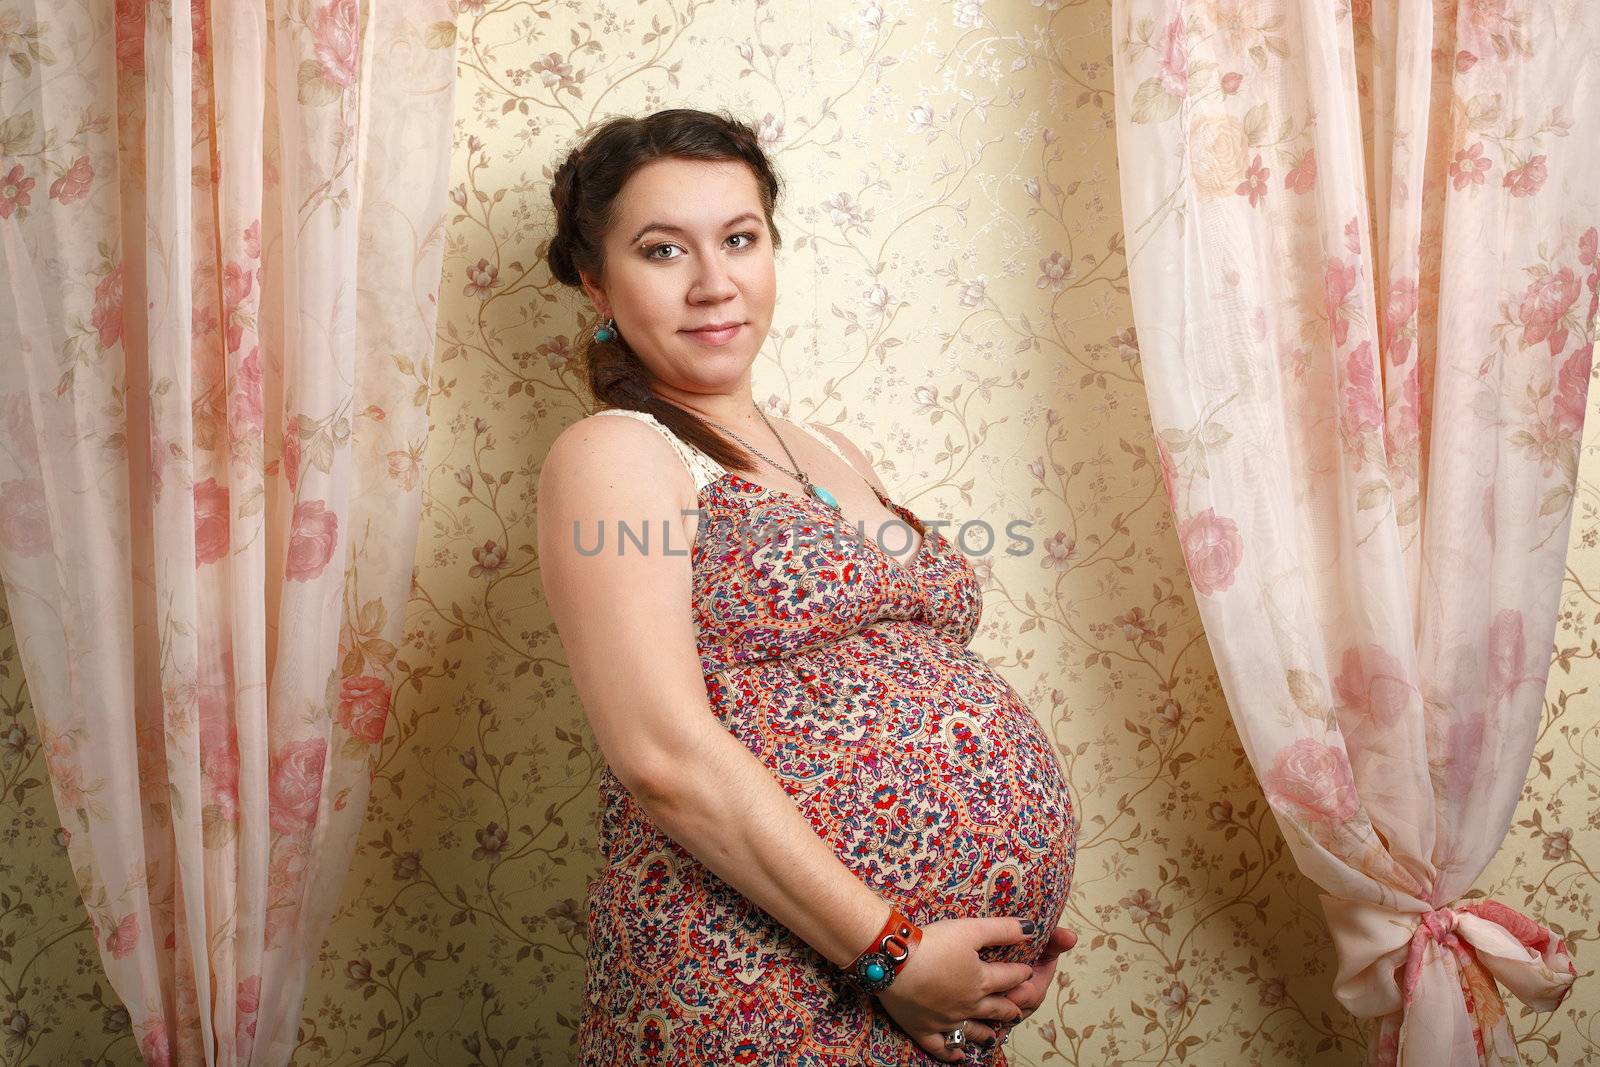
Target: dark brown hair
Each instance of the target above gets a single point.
(584, 191)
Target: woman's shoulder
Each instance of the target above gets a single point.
(603, 433)
(601, 452)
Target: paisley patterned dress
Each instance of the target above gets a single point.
(846, 671)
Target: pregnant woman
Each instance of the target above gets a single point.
(832, 835)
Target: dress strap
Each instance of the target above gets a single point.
(702, 468)
(826, 441)
(836, 450)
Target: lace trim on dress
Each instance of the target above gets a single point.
(705, 470)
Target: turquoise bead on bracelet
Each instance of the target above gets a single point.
(875, 969)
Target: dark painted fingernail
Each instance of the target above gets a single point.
(1028, 928)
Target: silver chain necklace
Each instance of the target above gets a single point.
(813, 489)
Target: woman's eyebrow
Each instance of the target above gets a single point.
(668, 228)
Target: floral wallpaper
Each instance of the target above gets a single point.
(971, 330)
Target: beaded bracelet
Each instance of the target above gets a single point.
(882, 960)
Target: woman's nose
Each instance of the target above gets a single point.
(715, 280)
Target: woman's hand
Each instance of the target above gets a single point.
(1031, 993)
(946, 984)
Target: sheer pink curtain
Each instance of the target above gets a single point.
(1362, 251)
(220, 248)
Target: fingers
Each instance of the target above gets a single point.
(1062, 939)
(999, 1009)
(1002, 976)
(933, 1045)
(979, 1032)
(1006, 931)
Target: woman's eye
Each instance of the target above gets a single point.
(650, 253)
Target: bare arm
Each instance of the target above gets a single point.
(629, 638)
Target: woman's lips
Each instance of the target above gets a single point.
(715, 337)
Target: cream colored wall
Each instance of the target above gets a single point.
(953, 298)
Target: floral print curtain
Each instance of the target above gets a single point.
(1362, 257)
(220, 250)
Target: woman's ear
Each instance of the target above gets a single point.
(597, 295)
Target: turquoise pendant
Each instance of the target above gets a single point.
(824, 496)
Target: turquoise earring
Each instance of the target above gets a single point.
(606, 331)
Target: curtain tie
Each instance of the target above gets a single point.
(1379, 943)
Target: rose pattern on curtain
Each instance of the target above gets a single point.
(221, 237)
(1362, 256)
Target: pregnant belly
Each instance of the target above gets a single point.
(923, 769)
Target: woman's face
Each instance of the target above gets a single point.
(690, 249)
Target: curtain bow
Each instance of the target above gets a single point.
(1378, 944)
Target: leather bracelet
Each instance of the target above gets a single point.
(880, 963)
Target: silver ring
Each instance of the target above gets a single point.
(957, 1037)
